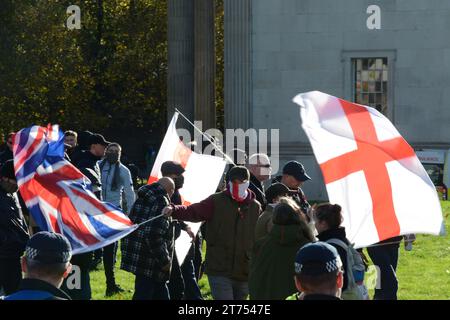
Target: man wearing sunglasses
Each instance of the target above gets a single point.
(260, 171)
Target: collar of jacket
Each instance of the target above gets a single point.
(276, 179)
(337, 233)
(36, 284)
(256, 183)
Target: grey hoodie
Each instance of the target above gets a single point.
(125, 187)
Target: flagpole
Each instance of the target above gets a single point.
(149, 220)
(208, 138)
(216, 147)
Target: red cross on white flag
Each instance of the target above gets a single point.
(369, 169)
(201, 177)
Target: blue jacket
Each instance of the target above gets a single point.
(34, 289)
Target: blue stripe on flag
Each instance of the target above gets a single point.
(56, 148)
(102, 229)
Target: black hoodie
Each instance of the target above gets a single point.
(13, 228)
(337, 233)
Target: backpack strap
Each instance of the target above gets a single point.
(338, 242)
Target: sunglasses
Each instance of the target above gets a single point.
(9, 142)
(264, 165)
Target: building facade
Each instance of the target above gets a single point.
(393, 55)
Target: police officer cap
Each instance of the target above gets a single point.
(317, 258)
(48, 248)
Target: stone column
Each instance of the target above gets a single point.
(238, 64)
(180, 77)
(204, 70)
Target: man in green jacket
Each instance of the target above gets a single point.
(230, 217)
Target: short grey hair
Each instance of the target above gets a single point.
(255, 158)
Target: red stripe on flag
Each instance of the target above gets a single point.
(28, 192)
(182, 154)
(57, 198)
(31, 149)
(152, 179)
(102, 208)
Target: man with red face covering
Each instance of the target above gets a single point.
(231, 217)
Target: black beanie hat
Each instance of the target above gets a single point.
(238, 172)
(7, 170)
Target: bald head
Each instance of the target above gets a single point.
(168, 184)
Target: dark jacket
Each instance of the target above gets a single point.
(149, 249)
(5, 156)
(264, 223)
(297, 195)
(272, 262)
(87, 163)
(230, 229)
(258, 189)
(338, 233)
(34, 289)
(13, 228)
(76, 154)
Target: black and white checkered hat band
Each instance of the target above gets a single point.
(31, 253)
(47, 257)
(328, 267)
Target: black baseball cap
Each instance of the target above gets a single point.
(317, 258)
(97, 138)
(48, 248)
(171, 167)
(296, 169)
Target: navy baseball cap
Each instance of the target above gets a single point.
(296, 169)
(317, 258)
(48, 248)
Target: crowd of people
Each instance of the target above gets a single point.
(261, 243)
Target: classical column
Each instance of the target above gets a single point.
(237, 59)
(204, 74)
(180, 77)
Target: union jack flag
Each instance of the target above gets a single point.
(59, 196)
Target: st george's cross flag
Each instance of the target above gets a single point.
(201, 177)
(58, 195)
(369, 170)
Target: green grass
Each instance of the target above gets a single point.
(423, 273)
